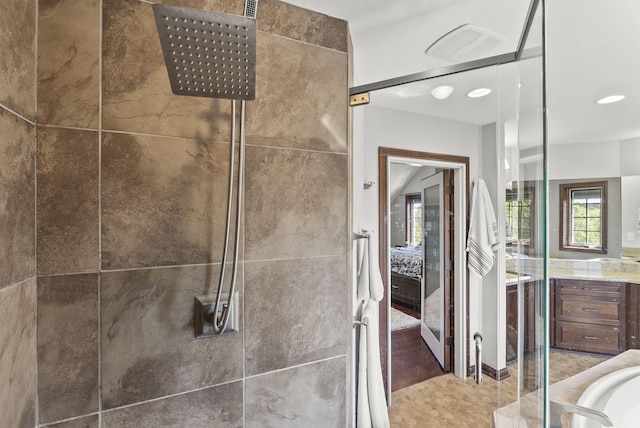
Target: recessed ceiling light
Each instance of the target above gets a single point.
(480, 92)
(442, 92)
(610, 99)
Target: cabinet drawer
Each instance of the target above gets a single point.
(407, 290)
(589, 337)
(596, 289)
(591, 311)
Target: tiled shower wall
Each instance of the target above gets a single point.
(17, 215)
(131, 201)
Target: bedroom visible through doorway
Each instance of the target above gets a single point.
(406, 261)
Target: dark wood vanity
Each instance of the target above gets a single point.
(585, 315)
(594, 315)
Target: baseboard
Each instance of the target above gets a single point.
(491, 372)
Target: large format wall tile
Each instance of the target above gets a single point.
(18, 64)
(67, 200)
(219, 407)
(296, 203)
(137, 95)
(17, 199)
(296, 312)
(67, 346)
(308, 112)
(148, 345)
(164, 201)
(68, 58)
(309, 396)
(293, 22)
(18, 355)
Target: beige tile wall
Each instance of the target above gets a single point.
(17, 214)
(131, 203)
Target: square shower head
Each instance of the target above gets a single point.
(208, 54)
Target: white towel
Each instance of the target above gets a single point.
(483, 237)
(370, 284)
(372, 404)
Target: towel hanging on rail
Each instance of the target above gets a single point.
(483, 237)
(370, 284)
(372, 404)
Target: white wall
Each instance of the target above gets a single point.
(585, 160)
(629, 157)
(395, 129)
(631, 211)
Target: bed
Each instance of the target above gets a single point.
(406, 280)
(406, 276)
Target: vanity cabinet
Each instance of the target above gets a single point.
(589, 316)
(528, 318)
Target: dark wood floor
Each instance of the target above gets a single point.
(411, 359)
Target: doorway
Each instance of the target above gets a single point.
(409, 287)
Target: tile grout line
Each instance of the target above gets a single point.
(179, 137)
(204, 388)
(10, 110)
(100, 134)
(101, 271)
(35, 208)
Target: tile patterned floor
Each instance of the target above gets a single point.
(447, 401)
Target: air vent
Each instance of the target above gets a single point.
(465, 43)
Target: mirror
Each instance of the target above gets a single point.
(589, 141)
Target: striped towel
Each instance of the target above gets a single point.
(483, 237)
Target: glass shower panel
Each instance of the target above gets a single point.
(524, 213)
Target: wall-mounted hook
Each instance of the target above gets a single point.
(368, 184)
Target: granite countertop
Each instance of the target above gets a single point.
(618, 270)
(595, 275)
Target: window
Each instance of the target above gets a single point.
(520, 229)
(414, 219)
(583, 225)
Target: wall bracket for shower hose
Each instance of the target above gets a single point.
(204, 313)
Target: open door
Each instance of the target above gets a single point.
(436, 293)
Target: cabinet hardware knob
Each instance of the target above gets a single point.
(394, 286)
(590, 337)
(589, 310)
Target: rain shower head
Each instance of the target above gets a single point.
(208, 54)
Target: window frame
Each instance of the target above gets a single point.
(409, 198)
(565, 216)
(527, 246)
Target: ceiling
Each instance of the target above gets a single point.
(592, 51)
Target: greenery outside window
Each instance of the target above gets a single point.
(583, 225)
(520, 227)
(414, 218)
